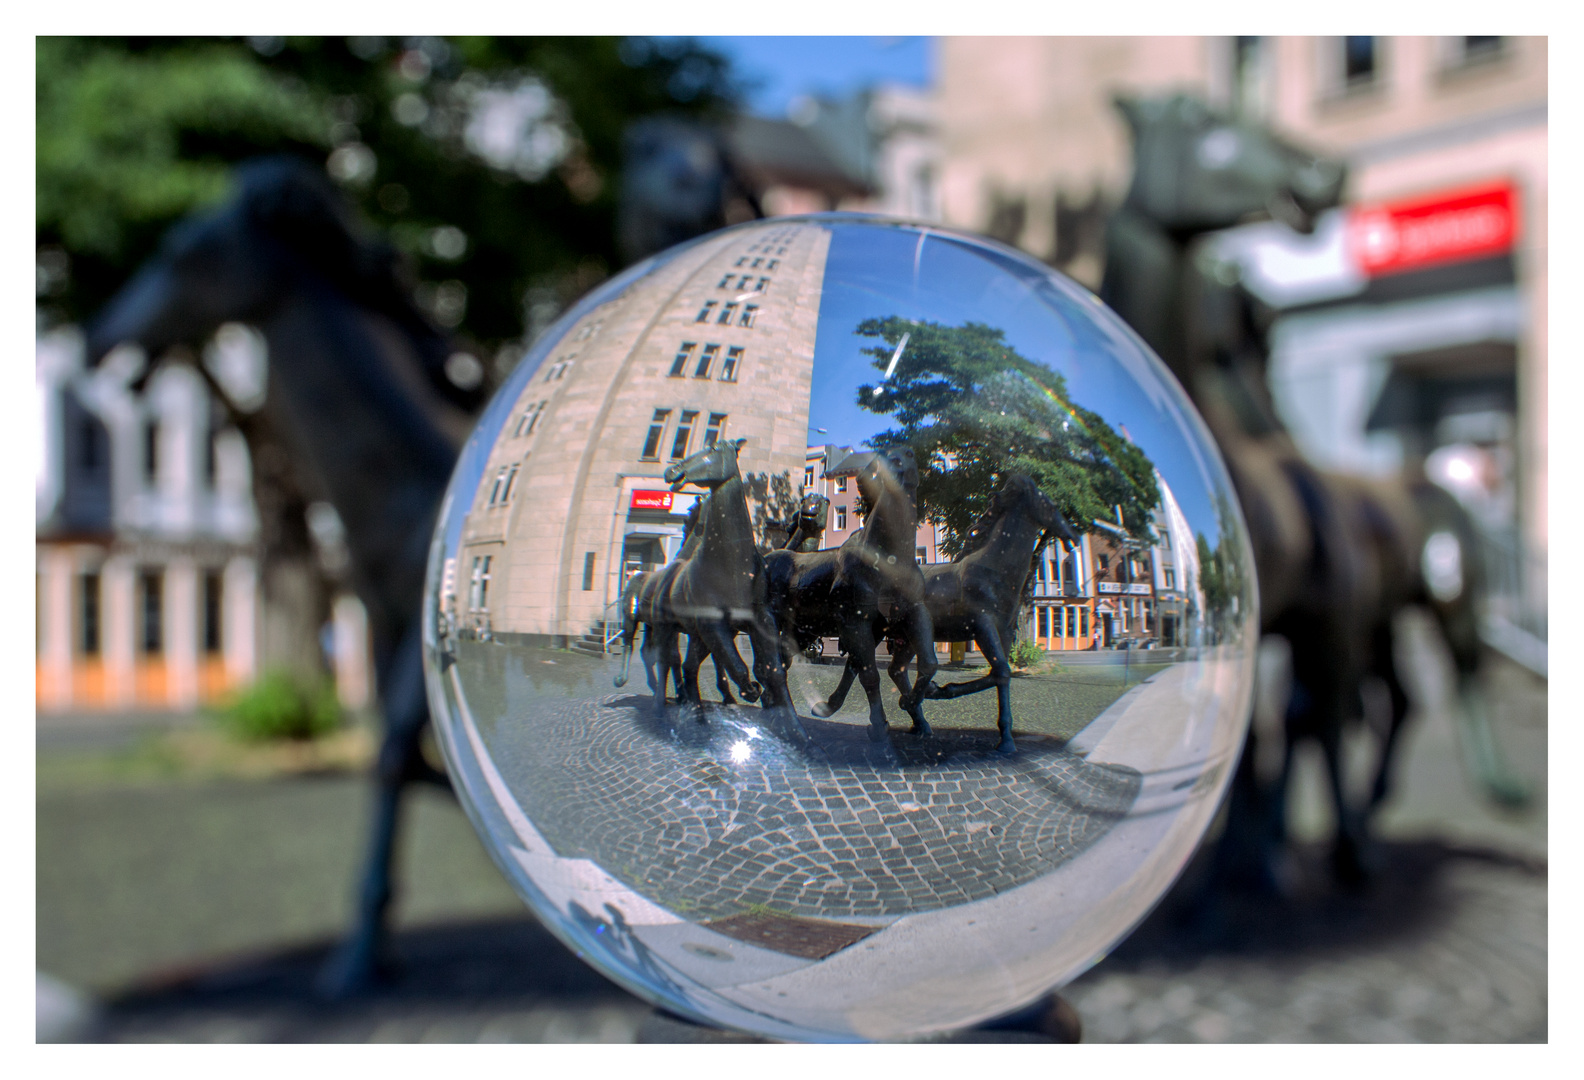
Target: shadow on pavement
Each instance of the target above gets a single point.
(1405, 899)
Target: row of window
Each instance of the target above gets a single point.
(557, 371)
(150, 612)
(759, 263)
(1066, 620)
(529, 418)
(745, 283)
(728, 311)
(808, 480)
(729, 368)
(687, 421)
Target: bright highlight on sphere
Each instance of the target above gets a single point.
(840, 629)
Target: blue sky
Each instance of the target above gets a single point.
(871, 272)
(785, 67)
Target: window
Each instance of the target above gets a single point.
(1358, 61)
(151, 451)
(1083, 622)
(478, 591)
(511, 478)
(679, 365)
(1105, 562)
(88, 622)
(500, 478)
(743, 261)
(712, 432)
(772, 264)
(651, 446)
(557, 370)
(1464, 51)
(151, 589)
(755, 264)
(1044, 622)
(808, 477)
(706, 311)
(841, 483)
(725, 282)
(212, 595)
(750, 313)
(727, 311)
(529, 418)
(921, 554)
(588, 571)
(733, 361)
(706, 361)
(764, 283)
(683, 432)
(1170, 577)
(841, 518)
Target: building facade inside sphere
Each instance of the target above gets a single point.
(717, 343)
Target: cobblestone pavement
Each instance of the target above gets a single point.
(1448, 942)
(715, 818)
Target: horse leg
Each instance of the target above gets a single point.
(990, 643)
(715, 639)
(898, 671)
(1383, 663)
(859, 642)
(920, 641)
(776, 698)
(360, 961)
(829, 706)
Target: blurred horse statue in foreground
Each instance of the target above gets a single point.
(359, 397)
(1337, 557)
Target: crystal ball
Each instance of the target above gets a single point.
(840, 629)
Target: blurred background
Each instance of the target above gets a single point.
(205, 709)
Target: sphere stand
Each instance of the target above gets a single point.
(1051, 1019)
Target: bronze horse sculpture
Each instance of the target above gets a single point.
(1336, 557)
(977, 596)
(853, 592)
(357, 393)
(719, 590)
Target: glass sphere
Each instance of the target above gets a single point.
(840, 629)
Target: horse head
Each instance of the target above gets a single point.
(285, 228)
(1020, 493)
(813, 510)
(1195, 170)
(710, 467)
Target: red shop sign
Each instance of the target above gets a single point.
(1465, 224)
(651, 500)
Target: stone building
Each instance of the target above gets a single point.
(147, 556)
(716, 343)
(1411, 327)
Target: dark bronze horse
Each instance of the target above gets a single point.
(358, 395)
(804, 531)
(854, 592)
(978, 596)
(1336, 557)
(719, 590)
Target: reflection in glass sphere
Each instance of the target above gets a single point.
(840, 629)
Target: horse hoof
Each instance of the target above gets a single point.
(922, 730)
(753, 693)
(1007, 747)
(821, 709)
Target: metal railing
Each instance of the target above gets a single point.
(1515, 620)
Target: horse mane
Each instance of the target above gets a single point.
(295, 204)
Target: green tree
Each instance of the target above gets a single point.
(492, 163)
(974, 409)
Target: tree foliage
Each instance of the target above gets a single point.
(492, 163)
(975, 410)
